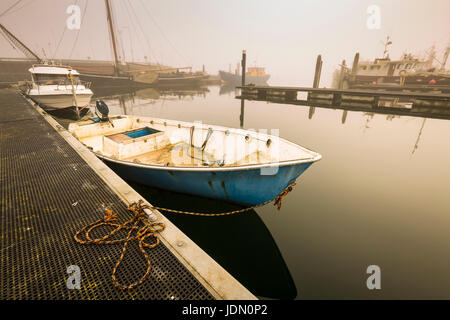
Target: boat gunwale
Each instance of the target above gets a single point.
(284, 163)
(206, 169)
(182, 124)
(59, 94)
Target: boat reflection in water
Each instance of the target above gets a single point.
(185, 92)
(128, 93)
(240, 243)
(227, 89)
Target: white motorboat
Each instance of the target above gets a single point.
(57, 87)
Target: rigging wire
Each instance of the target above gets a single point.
(17, 44)
(90, 45)
(2, 32)
(81, 25)
(62, 36)
(17, 9)
(163, 35)
(133, 27)
(9, 41)
(11, 7)
(143, 32)
(120, 41)
(140, 27)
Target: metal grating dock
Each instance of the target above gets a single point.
(47, 193)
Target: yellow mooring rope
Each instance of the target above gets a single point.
(140, 225)
(140, 228)
(276, 202)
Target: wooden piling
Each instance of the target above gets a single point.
(241, 116)
(318, 71)
(344, 116)
(311, 112)
(355, 66)
(243, 63)
(316, 81)
(337, 99)
(341, 75)
(376, 100)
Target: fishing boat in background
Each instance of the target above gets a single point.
(254, 75)
(57, 87)
(180, 78)
(407, 70)
(235, 165)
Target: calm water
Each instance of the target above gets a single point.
(380, 196)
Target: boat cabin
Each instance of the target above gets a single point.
(53, 75)
(387, 67)
(255, 72)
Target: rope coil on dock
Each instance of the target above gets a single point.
(142, 232)
(277, 201)
(140, 228)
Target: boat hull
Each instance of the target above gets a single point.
(247, 187)
(194, 80)
(409, 80)
(230, 78)
(110, 81)
(60, 101)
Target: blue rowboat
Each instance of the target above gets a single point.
(240, 166)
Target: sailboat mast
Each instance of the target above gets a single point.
(113, 37)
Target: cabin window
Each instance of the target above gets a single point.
(53, 79)
(363, 67)
(375, 67)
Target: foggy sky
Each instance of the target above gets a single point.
(283, 36)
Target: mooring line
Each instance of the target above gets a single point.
(140, 227)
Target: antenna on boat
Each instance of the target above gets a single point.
(386, 50)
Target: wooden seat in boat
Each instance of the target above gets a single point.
(119, 137)
(177, 154)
